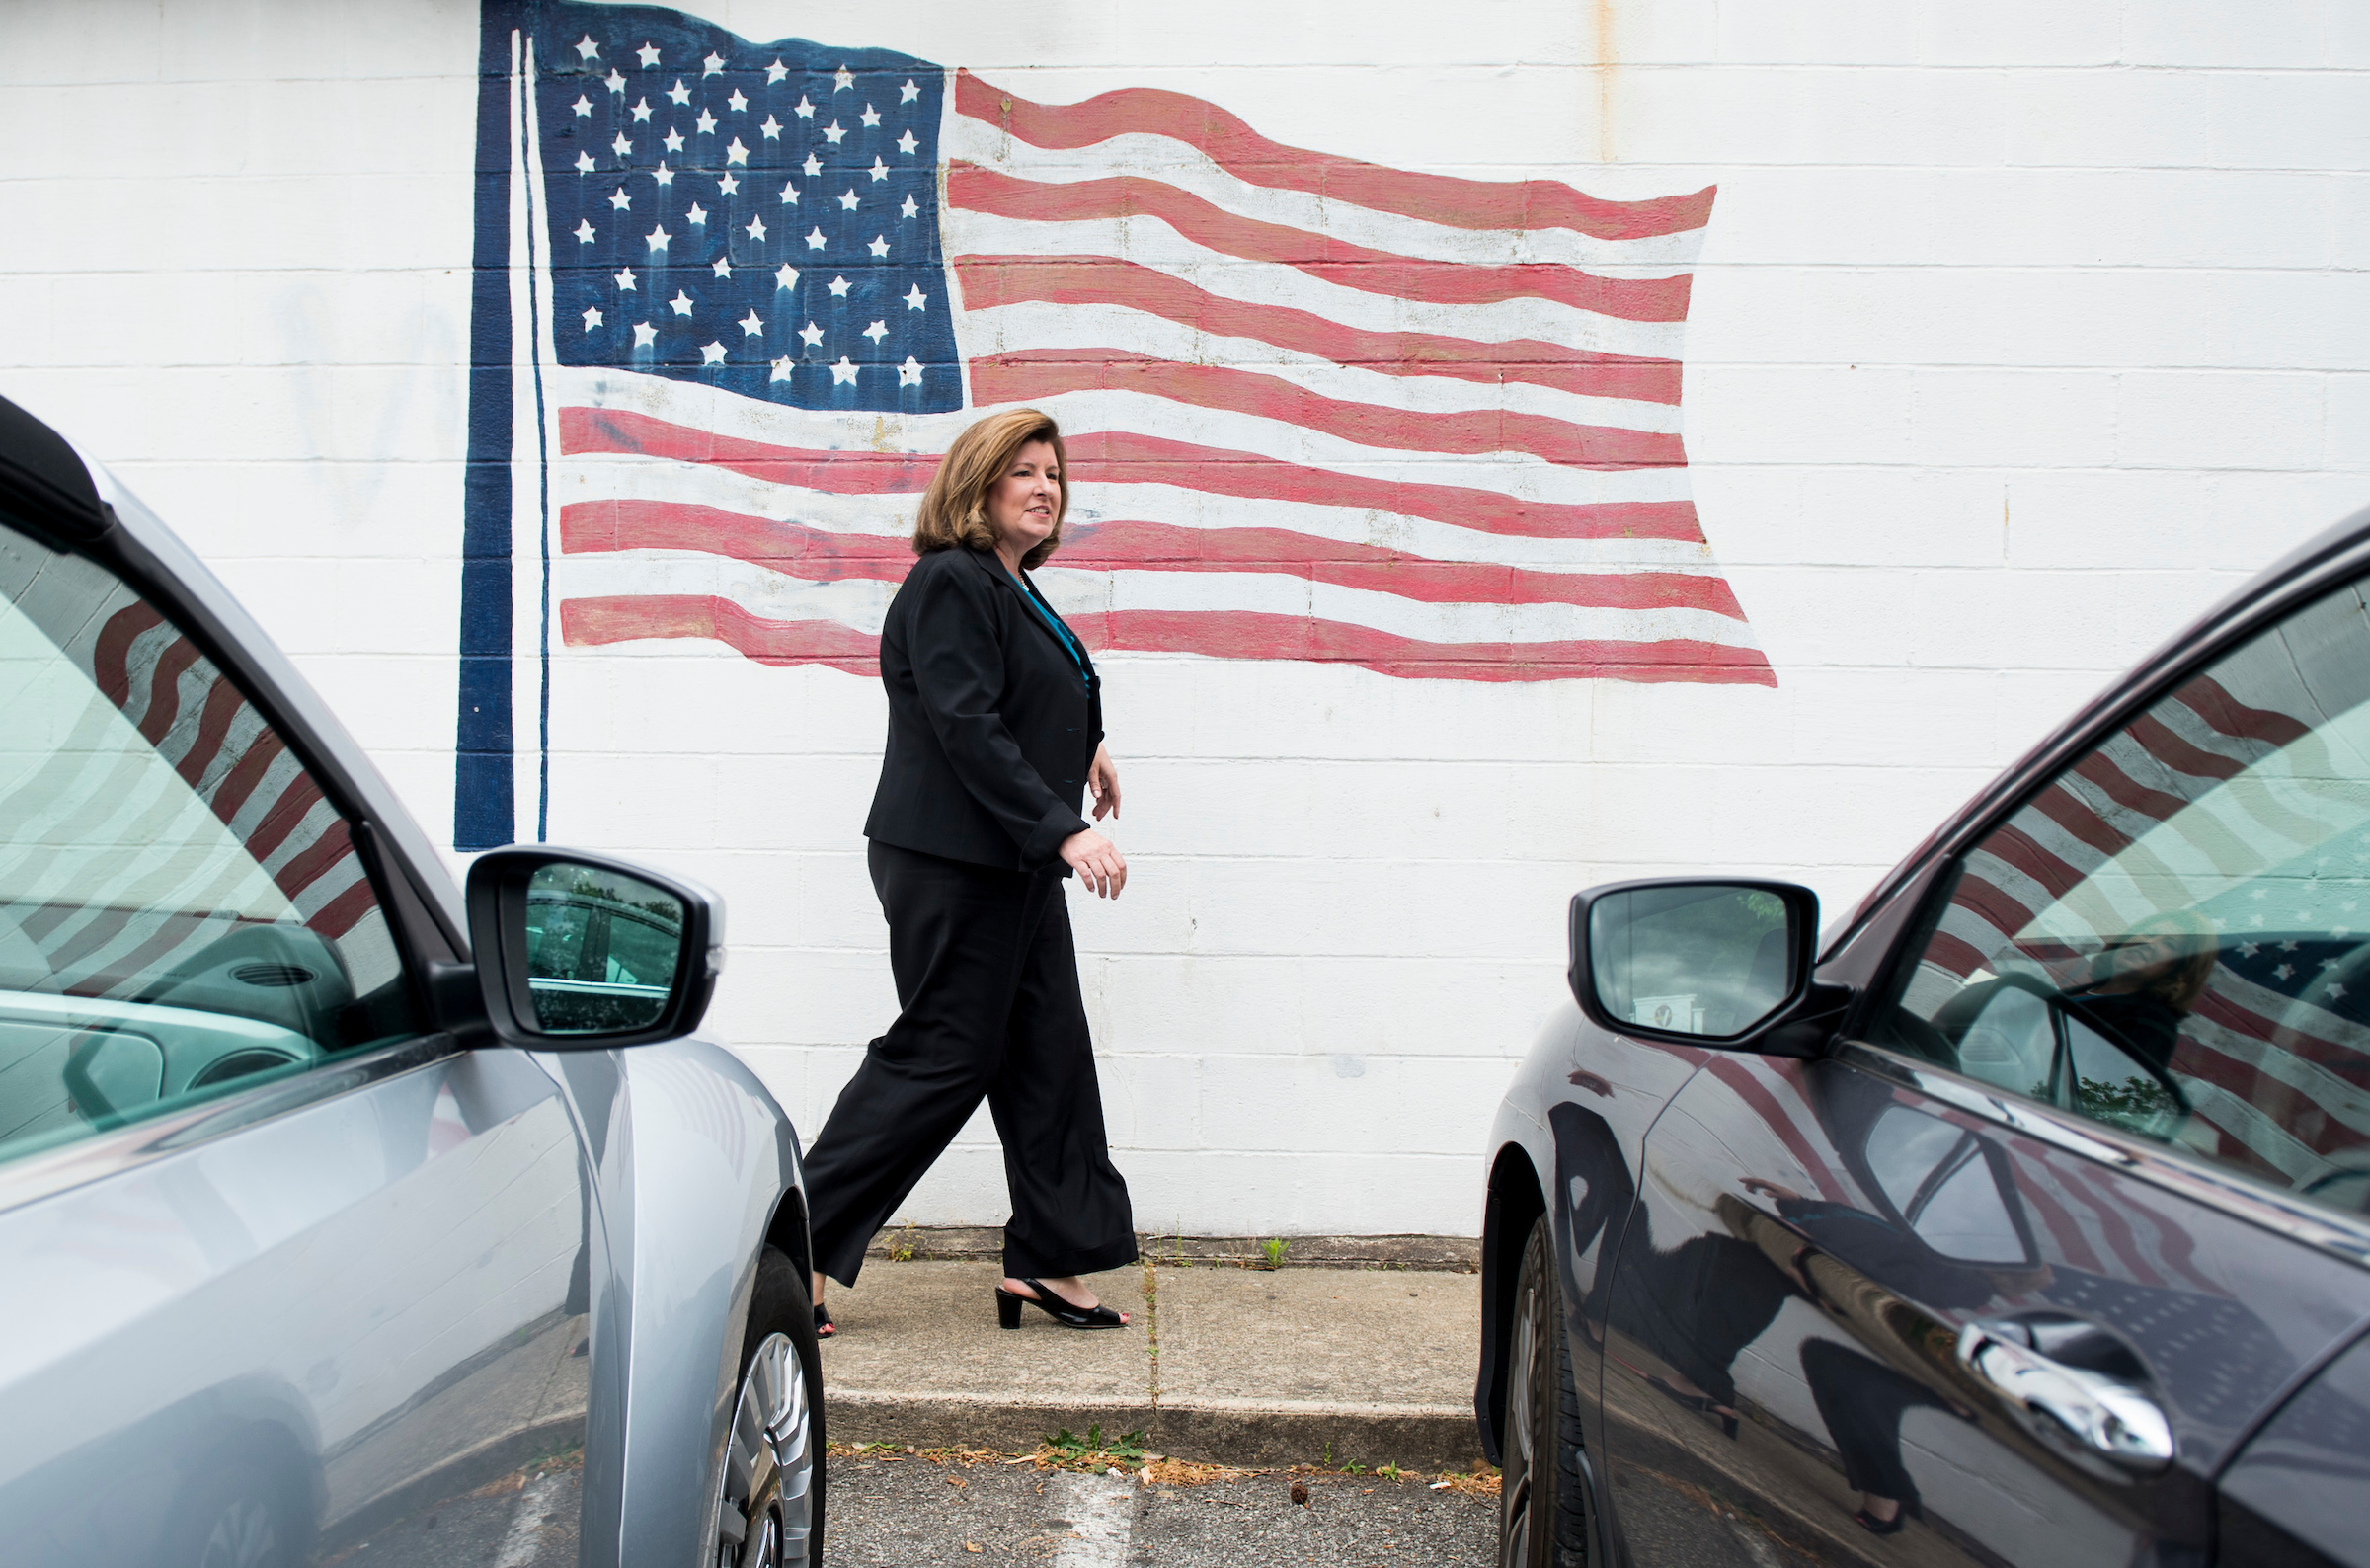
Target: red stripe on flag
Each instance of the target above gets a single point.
(1028, 374)
(1124, 457)
(993, 280)
(1219, 634)
(1255, 160)
(113, 649)
(975, 188)
(820, 555)
(835, 473)
(622, 618)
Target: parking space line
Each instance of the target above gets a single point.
(1102, 1510)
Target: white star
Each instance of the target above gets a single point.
(813, 166)
(771, 131)
(586, 48)
(916, 299)
(843, 371)
(789, 195)
(908, 93)
(833, 132)
(622, 146)
(785, 276)
(728, 182)
(2287, 947)
(814, 239)
(705, 123)
(751, 324)
(2335, 991)
(698, 214)
(711, 353)
(724, 266)
(620, 200)
(583, 231)
(871, 116)
(847, 200)
(845, 78)
(737, 103)
(658, 238)
(909, 208)
(811, 334)
(805, 109)
(2249, 949)
(640, 111)
(682, 303)
(583, 106)
(905, 144)
(583, 163)
(736, 153)
(876, 331)
(645, 334)
(591, 317)
(879, 170)
(2284, 971)
(910, 373)
(616, 83)
(661, 174)
(650, 56)
(838, 287)
(878, 245)
(715, 65)
(674, 140)
(756, 229)
(782, 369)
(679, 92)
(775, 72)
(625, 279)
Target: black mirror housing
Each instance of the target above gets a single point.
(582, 952)
(1721, 963)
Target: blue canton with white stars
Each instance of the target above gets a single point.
(756, 218)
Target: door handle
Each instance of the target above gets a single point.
(2103, 1415)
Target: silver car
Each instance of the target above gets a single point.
(340, 1208)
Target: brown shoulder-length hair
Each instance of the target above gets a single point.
(954, 510)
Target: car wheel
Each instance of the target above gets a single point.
(232, 1517)
(1543, 1496)
(769, 1505)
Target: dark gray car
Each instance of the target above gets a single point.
(2025, 1219)
(344, 1215)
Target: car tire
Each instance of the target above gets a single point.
(1543, 1511)
(769, 1498)
(235, 1515)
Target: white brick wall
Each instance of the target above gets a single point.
(2024, 332)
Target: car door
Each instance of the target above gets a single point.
(285, 1270)
(2010, 1272)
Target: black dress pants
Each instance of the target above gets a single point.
(987, 984)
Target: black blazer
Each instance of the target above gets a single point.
(991, 730)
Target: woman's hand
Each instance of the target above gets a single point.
(1097, 861)
(1102, 782)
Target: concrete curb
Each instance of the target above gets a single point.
(1414, 1437)
(978, 1243)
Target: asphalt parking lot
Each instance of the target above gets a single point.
(925, 1511)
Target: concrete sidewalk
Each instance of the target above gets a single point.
(1224, 1364)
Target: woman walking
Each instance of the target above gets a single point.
(994, 731)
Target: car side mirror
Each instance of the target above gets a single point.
(1720, 964)
(576, 951)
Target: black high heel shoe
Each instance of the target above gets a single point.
(1007, 1308)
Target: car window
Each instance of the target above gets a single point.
(2173, 936)
(181, 912)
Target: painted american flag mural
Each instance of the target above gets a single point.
(734, 298)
